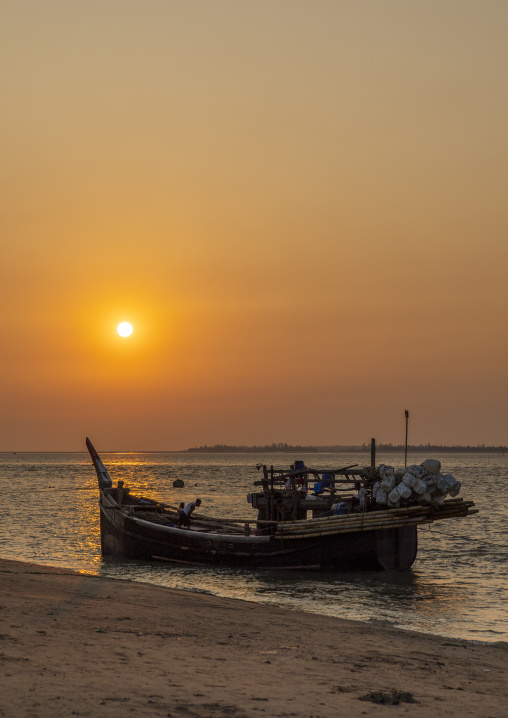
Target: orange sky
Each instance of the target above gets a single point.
(299, 206)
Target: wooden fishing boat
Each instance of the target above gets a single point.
(344, 533)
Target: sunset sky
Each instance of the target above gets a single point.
(299, 206)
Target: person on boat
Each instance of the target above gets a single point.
(326, 481)
(180, 509)
(301, 487)
(119, 491)
(184, 516)
(360, 500)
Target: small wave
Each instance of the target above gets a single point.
(381, 622)
(197, 590)
(499, 644)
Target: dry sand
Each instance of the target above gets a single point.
(75, 645)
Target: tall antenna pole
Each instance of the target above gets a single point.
(405, 452)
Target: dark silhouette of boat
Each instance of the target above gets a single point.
(344, 533)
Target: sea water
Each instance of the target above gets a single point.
(457, 586)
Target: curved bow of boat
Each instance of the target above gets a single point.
(102, 475)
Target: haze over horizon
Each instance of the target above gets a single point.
(299, 207)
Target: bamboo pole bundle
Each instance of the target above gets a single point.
(450, 515)
(220, 528)
(331, 520)
(353, 529)
(348, 522)
(407, 511)
(218, 522)
(366, 516)
(452, 508)
(325, 519)
(172, 512)
(233, 521)
(214, 523)
(201, 518)
(452, 505)
(374, 523)
(350, 525)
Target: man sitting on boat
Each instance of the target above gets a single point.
(302, 487)
(325, 483)
(184, 515)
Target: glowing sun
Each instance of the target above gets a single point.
(124, 329)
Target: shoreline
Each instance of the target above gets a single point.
(383, 623)
(81, 644)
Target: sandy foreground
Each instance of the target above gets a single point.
(75, 645)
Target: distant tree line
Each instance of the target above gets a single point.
(437, 448)
(225, 448)
(338, 449)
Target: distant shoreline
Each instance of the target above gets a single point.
(386, 448)
(363, 449)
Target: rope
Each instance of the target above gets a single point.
(433, 530)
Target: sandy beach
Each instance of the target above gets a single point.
(81, 645)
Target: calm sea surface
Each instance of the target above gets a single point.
(457, 586)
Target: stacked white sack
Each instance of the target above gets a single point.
(431, 466)
(422, 483)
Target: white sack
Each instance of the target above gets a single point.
(394, 497)
(432, 466)
(451, 481)
(430, 482)
(425, 498)
(403, 490)
(409, 480)
(388, 483)
(442, 484)
(386, 471)
(361, 495)
(456, 489)
(420, 486)
(417, 471)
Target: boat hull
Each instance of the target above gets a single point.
(133, 537)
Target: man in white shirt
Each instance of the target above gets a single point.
(184, 516)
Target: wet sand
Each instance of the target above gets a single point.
(76, 645)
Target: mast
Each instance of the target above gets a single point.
(405, 451)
